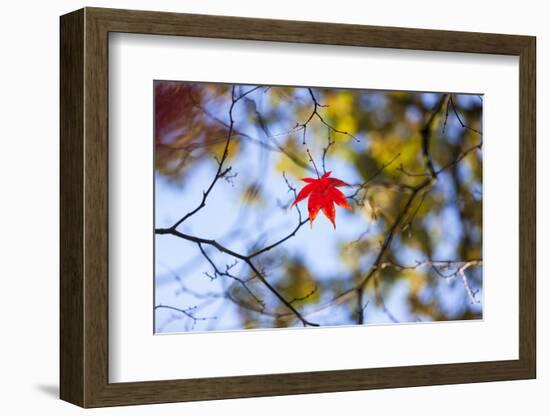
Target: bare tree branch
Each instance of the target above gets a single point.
(227, 273)
(246, 258)
(369, 180)
(425, 185)
(221, 171)
(455, 111)
(315, 113)
(187, 312)
(353, 291)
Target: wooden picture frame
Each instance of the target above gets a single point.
(84, 207)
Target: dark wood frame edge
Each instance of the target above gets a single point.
(84, 207)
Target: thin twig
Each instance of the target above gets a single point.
(247, 259)
(186, 312)
(221, 171)
(460, 119)
(365, 184)
(325, 151)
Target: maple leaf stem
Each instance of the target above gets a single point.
(312, 162)
(326, 149)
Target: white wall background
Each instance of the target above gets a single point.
(29, 158)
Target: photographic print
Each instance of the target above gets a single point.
(304, 207)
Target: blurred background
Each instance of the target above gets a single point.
(430, 234)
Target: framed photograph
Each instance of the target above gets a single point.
(260, 207)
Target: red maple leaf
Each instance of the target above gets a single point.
(323, 193)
